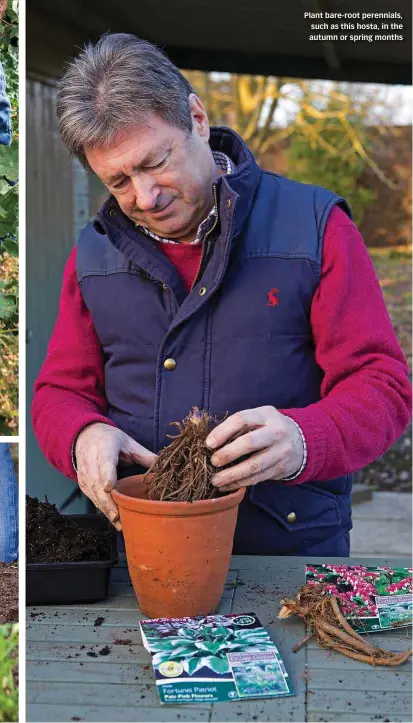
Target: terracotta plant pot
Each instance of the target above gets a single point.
(178, 553)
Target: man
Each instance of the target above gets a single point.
(206, 281)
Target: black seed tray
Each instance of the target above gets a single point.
(64, 583)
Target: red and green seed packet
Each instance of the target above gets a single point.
(372, 598)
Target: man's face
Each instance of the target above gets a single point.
(160, 175)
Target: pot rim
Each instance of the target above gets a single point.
(175, 509)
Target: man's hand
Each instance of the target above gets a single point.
(272, 440)
(99, 449)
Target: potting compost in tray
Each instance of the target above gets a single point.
(53, 537)
(214, 658)
(69, 557)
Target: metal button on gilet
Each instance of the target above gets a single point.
(169, 364)
(291, 517)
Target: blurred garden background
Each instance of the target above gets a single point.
(9, 232)
(355, 139)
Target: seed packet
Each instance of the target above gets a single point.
(214, 658)
(372, 598)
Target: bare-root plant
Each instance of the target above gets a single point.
(331, 630)
(182, 471)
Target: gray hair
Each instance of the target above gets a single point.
(112, 86)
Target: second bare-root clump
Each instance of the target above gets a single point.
(331, 630)
(182, 471)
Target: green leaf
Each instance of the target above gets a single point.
(6, 306)
(209, 647)
(189, 633)
(11, 246)
(9, 161)
(8, 662)
(193, 665)
(219, 665)
(223, 632)
(160, 645)
(161, 657)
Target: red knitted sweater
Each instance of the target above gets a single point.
(366, 395)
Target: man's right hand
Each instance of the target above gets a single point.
(99, 448)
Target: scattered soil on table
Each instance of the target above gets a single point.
(52, 537)
(124, 641)
(9, 593)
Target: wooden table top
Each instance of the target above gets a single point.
(66, 683)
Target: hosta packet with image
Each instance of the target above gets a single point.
(214, 658)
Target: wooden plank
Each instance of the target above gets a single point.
(318, 716)
(118, 597)
(225, 606)
(116, 616)
(347, 681)
(118, 611)
(120, 600)
(41, 713)
(93, 671)
(81, 634)
(324, 659)
(266, 709)
(58, 693)
(50, 651)
(358, 702)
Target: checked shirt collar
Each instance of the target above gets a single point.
(225, 163)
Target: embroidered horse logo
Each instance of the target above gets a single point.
(272, 299)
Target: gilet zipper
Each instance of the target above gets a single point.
(204, 244)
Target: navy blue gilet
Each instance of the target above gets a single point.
(235, 347)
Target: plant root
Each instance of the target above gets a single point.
(182, 471)
(332, 631)
(302, 642)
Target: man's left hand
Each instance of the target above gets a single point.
(272, 440)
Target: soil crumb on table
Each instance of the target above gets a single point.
(53, 537)
(9, 592)
(105, 650)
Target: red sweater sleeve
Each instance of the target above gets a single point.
(365, 394)
(69, 391)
